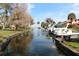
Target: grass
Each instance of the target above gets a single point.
(4, 34)
(72, 44)
(7, 33)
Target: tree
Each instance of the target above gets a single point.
(7, 7)
(50, 21)
(71, 16)
(60, 24)
(20, 17)
(44, 25)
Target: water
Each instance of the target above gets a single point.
(35, 44)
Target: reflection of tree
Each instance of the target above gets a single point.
(19, 45)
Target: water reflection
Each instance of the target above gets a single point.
(36, 43)
(18, 45)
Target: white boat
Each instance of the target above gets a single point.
(62, 31)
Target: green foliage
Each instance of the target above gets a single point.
(71, 16)
(7, 29)
(60, 24)
(48, 21)
(19, 17)
(44, 25)
(72, 44)
(70, 26)
(7, 9)
(7, 33)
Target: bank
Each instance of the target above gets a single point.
(68, 50)
(5, 39)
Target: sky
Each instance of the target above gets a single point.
(57, 11)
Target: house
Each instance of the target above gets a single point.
(73, 22)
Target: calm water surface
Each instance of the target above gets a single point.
(34, 44)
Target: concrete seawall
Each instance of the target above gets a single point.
(66, 49)
(6, 41)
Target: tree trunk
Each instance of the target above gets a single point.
(6, 15)
(6, 19)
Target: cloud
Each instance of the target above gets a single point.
(30, 7)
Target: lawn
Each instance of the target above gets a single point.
(7, 33)
(72, 44)
(4, 34)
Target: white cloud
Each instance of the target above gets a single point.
(30, 7)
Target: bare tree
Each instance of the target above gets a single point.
(7, 8)
(20, 16)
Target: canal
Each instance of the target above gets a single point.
(36, 43)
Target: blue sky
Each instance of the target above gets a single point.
(57, 11)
